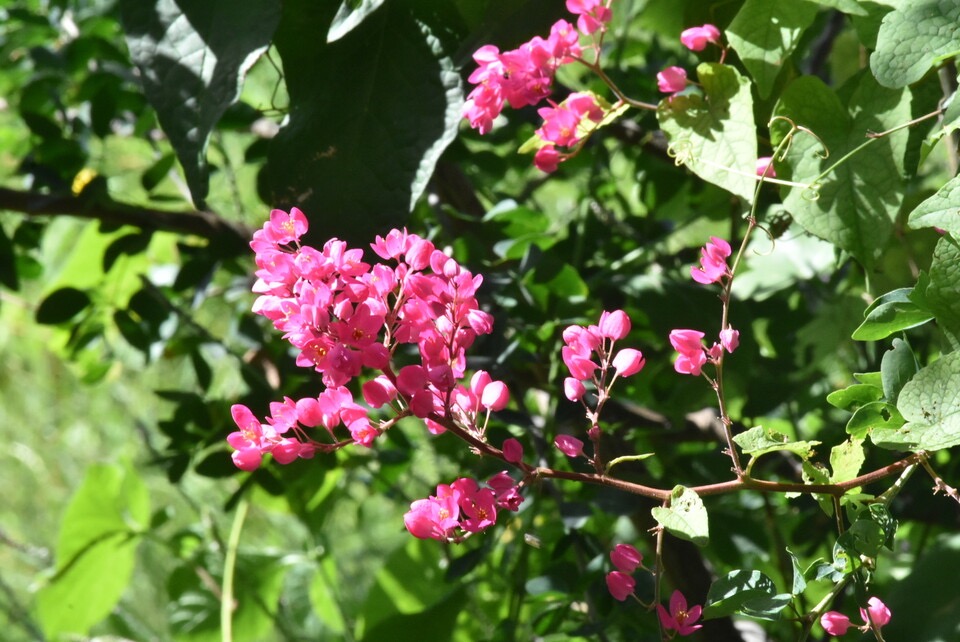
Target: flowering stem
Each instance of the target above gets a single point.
(229, 566)
(595, 68)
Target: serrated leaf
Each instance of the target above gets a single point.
(350, 15)
(61, 305)
(852, 397)
(940, 210)
(759, 441)
(854, 205)
(748, 592)
(897, 367)
(892, 312)
(930, 403)
(714, 134)
(846, 460)
(913, 38)
(370, 115)
(686, 517)
(192, 56)
(765, 32)
(942, 296)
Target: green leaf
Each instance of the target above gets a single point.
(846, 460)
(913, 38)
(864, 537)
(852, 397)
(765, 32)
(96, 550)
(748, 592)
(799, 577)
(892, 312)
(714, 135)
(940, 210)
(62, 305)
(854, 205)
(370, 115)
(350, 15)
(847, 6)
(152, 176)
(192, 56)
(942, 296)
(876, 415)
(686, 517)
(897, 367)
(759, 441)
(324, 597)
(930, 402)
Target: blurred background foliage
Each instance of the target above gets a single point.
(142, 141)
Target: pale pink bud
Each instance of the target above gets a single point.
(672, 79)
(765, 167)
(878, 612)
(614, 325)
(620, 585)
(628, 361)
(573, 389)
(547, 159)
(626, 558)
(696, 38)
(569, 446)
(835, 623)
(512, 450)
(495, 396)
(729, 339)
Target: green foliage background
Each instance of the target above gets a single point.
(141, 142)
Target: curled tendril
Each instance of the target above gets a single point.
(812, 192)
(773, 240)
(825, 153)
(681, 152)
(788, 138)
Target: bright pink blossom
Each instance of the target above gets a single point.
(692, 356)
(569, 445)
(593, 14)
(512, 450)
(713, 262)
(561, 123)
(877, 611)
(547, 159)
(680, 618)
(626, 558)
(573, 389)
(628, 362)
(614, 325)
(729, 339)
(697, 38)
(835, 623)
(672, 79)
(765, 167)
(620, 585)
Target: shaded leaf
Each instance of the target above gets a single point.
(749, 592)
(942, 296)
(897, 367)
(62, 305)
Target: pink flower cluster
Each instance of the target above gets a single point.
(697, 38)
(524, 76)
(713, 262)
(462, 507)
(588, 349)
(627, 560)
(836, 623)
(692, 354)
(343, 316)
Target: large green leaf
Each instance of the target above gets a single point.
(192, 56)
(369, 116)
(942, 296)
(749, 592)
(714, 134)
(940, 210)
(854, 205)
(765, 32)
(96, 550)
(913, 38)
(891, 312)
(930, 402)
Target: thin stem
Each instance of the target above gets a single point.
(938, 484)
(229, 566)
(595, 68)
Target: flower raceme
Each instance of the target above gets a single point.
(877, 613)
(461, 508)
(345, 316)
(713, 262)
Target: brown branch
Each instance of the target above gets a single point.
(231, 237)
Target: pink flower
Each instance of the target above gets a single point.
(713, 262)
(835, 623)
(620, 585)
(765, 167)
(680, 618)
(877, 611)
(691, 357)
(593, 14)
(626, 558)
(568, 445)
(561, 123)
(628, 362)
(729, 339)
(696, 38)
(672, 79)
(547, 159)
(573, 389)
(614, 325)
(512, 450)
